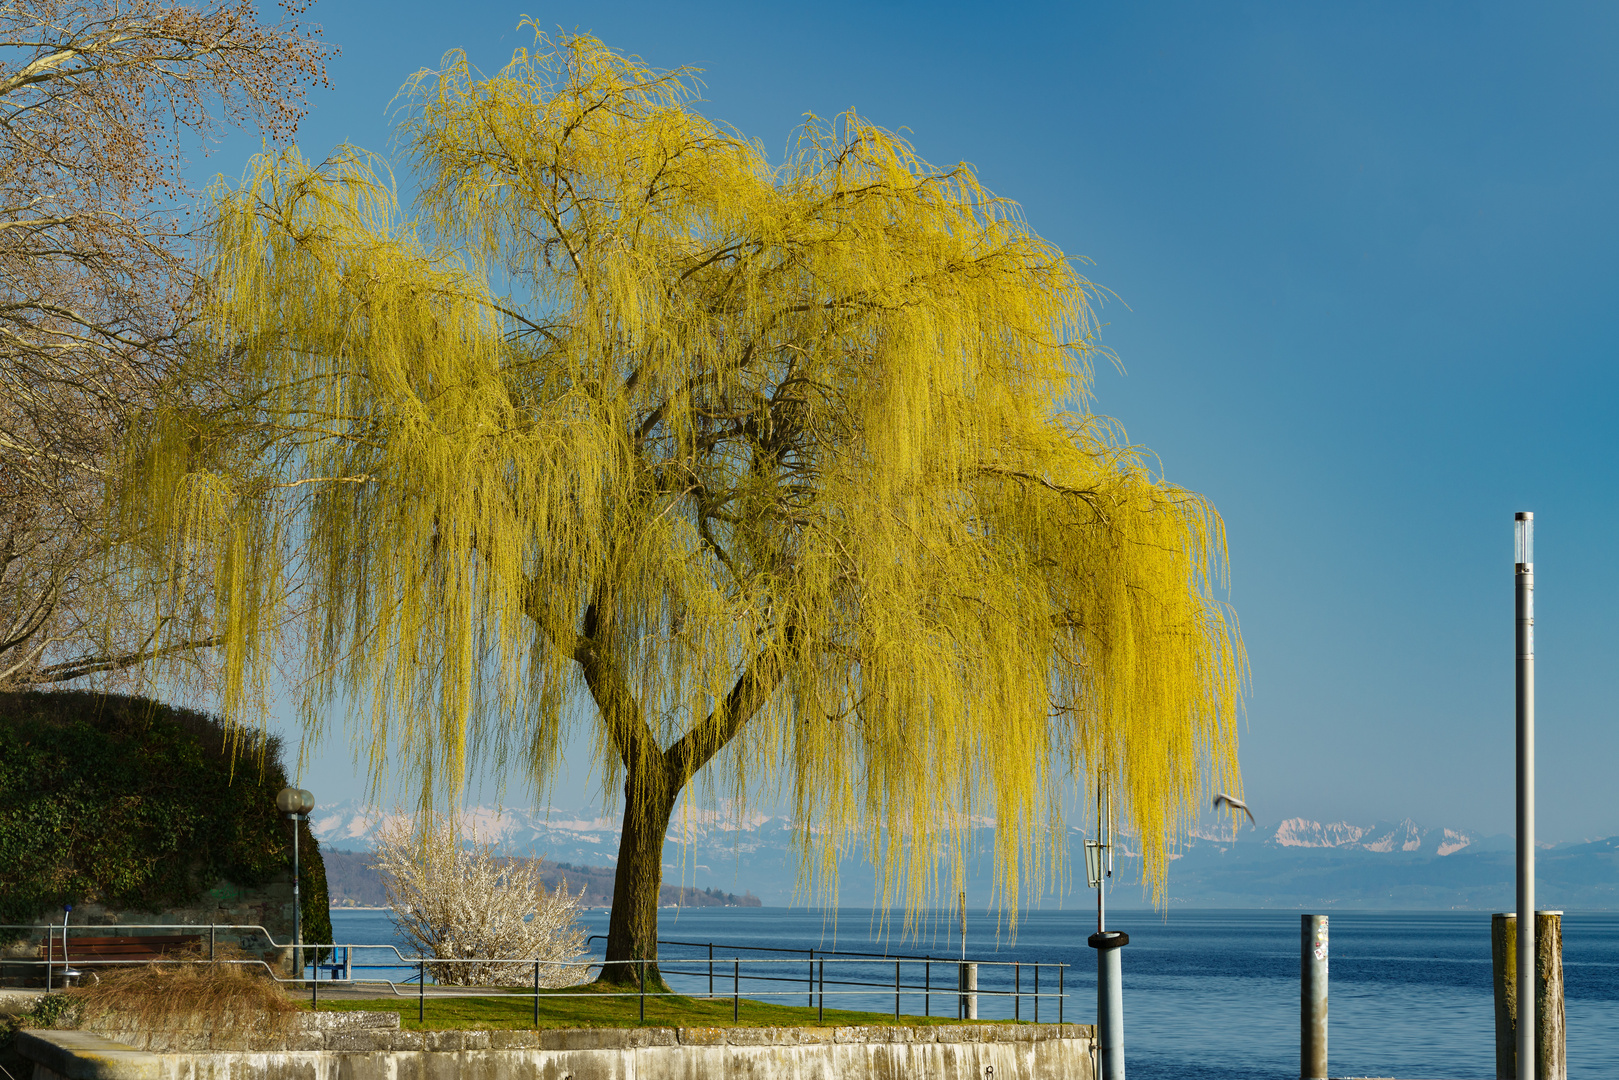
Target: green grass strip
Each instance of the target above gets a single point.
(597, 1009)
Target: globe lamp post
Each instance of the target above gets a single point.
(295, 804)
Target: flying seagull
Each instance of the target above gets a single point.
(1235, 804)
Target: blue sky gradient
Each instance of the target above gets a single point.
(1364, 262)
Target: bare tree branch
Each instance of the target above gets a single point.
(99, 99)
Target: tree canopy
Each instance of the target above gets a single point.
(780, 470)
(139, 806)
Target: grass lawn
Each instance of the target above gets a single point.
(597, 1009)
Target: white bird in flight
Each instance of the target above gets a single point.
(1235, 804)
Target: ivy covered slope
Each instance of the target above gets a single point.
(139, 806)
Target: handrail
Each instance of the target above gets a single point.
(679, 967)
(834, 952)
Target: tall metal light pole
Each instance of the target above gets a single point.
(1107, 943)
(1524, 575)
(295, 804)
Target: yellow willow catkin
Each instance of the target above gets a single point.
(628, 419)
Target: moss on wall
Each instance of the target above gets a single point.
(140, 806)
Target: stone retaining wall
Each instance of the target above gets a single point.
(346, 1051)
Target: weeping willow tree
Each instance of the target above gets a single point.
(762, 472)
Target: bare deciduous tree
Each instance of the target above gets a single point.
(98, 101)
(489, 916)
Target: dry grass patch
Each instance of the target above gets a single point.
(187, 992)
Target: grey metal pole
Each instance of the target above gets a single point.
(967, 974)
(1104, 854)
(967, 1002)
(1312, 997)
(1109, 1002)
(1524, 574)
(297, 909)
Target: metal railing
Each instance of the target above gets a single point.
(802, 973)
(1021, 979)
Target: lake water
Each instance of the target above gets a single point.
(1209, 995)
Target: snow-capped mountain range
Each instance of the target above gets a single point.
(1380, 836)
(1294, 862)
(593, 837)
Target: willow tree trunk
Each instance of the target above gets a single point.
(632, 927)
(653, 780)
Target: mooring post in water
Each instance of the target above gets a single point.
(1312, 997)
(1551, 1049)
(1524, 575)
(1550, 1038)
(1110, 1001)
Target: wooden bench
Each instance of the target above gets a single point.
(123, 950)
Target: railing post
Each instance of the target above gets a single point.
(1017, 991)
(210, 941)
(820, 1008)
(896, 989)
(421, 993)
(812, 977)
(1037, 992)
(927, 987)
(1062, 971)
(736, 990)
(536, 993)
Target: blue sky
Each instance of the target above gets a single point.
(1364, 261)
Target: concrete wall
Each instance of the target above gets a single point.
(341, 1052)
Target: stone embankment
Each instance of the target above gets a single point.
(371, 1046)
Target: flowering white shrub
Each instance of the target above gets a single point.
(467, 903)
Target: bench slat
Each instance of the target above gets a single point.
(145, 948)
(146, 939)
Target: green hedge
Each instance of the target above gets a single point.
(138, 805)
